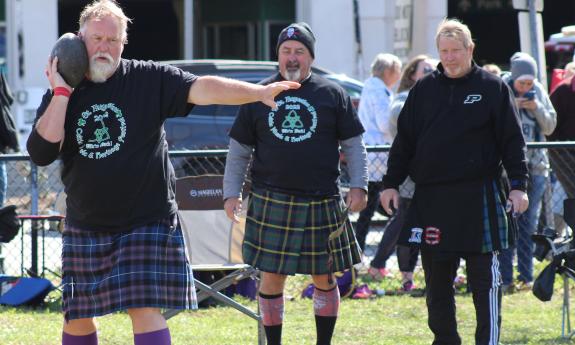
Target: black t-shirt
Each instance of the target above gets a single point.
(297, 145)
(116, 170)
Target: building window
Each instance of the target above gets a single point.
(273, 31)
(230, 41)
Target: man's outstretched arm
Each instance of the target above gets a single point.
(218, 90)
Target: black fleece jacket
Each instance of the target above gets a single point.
(454, 130)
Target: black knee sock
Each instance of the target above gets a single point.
(326, 305)
(273, 332)
(324, 327)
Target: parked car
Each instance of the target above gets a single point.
(207, 127)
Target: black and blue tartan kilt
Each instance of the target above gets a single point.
(143, 267)
(287, 234)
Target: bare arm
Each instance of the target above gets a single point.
(50, 125)
(218, 90)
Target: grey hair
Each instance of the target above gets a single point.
(104, 8)
(454, 29)
(383, 62)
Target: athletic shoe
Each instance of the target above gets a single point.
(407, 286)
(362, 292)
(378, 273)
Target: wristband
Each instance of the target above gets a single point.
(62, 91)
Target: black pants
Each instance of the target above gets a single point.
(362, 226)
(484, 279)
(406, 255)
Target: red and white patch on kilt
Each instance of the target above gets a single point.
(432, 235)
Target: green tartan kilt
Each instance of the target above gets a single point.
(288, 234)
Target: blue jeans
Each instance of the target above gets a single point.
(3, 182)
(527, 225)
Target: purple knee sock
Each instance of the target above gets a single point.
(90, 339)
(161, 337)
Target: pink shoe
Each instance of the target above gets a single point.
(460, 281)
(378, 273)
(362, 292)
(408, 286)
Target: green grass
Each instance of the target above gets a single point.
(385, 320)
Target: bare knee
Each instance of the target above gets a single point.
(80, 326)
(147, 319)
(143, 312)
(322, 282)
(272, 283)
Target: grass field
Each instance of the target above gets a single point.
(397, 320)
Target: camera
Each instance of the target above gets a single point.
(529, 95)
(543, 243)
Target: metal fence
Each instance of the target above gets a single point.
(36, 190)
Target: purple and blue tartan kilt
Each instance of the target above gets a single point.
(288, 234)
(143, 267)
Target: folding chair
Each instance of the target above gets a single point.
(568, 273)
(562, 255)
(213, 242)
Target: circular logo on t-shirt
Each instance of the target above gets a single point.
(294, 120)
(97, 131)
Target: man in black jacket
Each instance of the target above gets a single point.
(457, 130)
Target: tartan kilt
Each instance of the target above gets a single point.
(287, 234)
(143, 267)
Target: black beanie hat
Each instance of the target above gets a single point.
(300, 32)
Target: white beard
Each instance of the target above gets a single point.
(101, 71)
(292, 75)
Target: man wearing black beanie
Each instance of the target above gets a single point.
(300, 32)
(296, 219)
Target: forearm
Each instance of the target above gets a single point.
(515, 161)
(218, 90)
(546, 117)
(237, 163)
(356, 158)
(50, 125)
(47, 137)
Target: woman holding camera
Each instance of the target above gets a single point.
(538, 119)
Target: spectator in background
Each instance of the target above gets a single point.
(416, 69)
(493, 69)
(8, 134)
(538, 119)
(569, 70)
(563, 160)
(561, 76)
(457, 128)
(373, 113)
